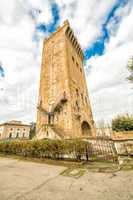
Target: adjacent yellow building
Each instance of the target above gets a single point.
(14, 129)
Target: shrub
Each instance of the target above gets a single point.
(53, 149)
(123, 123)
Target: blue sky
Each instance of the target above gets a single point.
(98, 46)
(104, 30)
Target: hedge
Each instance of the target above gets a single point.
(52, 149)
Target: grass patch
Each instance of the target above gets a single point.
(74, 172)
(103, 167)
(127, 167)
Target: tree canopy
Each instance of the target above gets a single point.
(123, 123)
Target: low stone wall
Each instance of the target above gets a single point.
(123, 142)
(124, 147)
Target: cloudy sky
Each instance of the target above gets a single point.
(105, 31)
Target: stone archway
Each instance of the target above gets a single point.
(86, 129)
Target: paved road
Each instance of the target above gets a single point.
(20, 180)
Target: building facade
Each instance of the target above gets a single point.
(64, 109)
(14, 130)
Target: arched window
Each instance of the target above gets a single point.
(17, 135)
(10, 135)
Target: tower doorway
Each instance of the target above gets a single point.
(86, 129)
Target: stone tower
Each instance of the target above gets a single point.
(64, 109)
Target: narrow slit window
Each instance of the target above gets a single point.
(72, 58)
(82, 97)
(77, 92)
(86, 100)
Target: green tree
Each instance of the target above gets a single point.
(130, 69)
(32, 130)
(123, 123)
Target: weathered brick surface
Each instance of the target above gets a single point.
(62, 76)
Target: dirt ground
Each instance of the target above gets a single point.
(24, 180)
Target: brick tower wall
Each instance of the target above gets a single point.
(63, 98)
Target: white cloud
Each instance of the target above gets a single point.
(86, 17)
(20, 84)
(110, 92)
(123, 34)
(44, 8)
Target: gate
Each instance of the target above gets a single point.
(102, 148)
